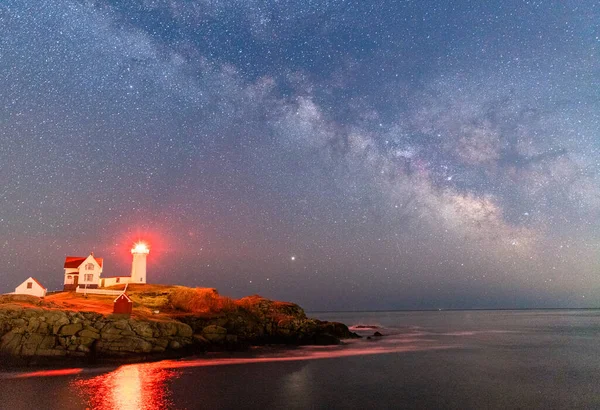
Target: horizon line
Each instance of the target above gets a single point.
(449, 310)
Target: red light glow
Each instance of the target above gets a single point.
(139, 386)
(140, 247)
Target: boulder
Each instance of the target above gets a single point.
(49, 342)
(11, 343)
(167, 328)
(70, 329)
(89, 333)
(127, 345)
(58, 323)
(142, 329)
(34, 325)
(162, 342)
(30, 344)
(339, 330)
(214, 333)
(184, 330)
(122, 325)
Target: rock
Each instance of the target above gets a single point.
(31, 344)
(168, 328)
(34, 325)
(122, 325)
(19, 329)
(325, 339)
(44, 328)
(110, 329)
(214, 333)
(52, 316)
(184, 330)
(158, 349)
(142, 329)
(86, 341)
(89, 333)
(58, 323)
(339, 330)
(377, 334)
(110, 333)
(99, 325)
(83, 348)
(174, 344)
(201, 340)
(70, 329)
(19, 322)
(11, 343)
(162, 342)
(49, 342)
(127, 345)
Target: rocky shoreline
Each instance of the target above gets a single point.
(31, 333)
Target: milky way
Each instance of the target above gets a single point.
(340, 154)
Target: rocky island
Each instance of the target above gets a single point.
(167, 321)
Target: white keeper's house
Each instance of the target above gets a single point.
(86, 271)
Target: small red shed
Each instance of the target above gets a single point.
(123, 305)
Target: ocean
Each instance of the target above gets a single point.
(528, 359)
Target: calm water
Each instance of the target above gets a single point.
(463, 360)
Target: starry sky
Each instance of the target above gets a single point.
(344, 155)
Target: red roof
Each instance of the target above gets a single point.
(121, 296)
(36, 281)
(73, 262)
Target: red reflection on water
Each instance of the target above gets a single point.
(49, 373)
(305, 354)
(138, 386)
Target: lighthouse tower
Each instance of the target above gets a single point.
(138, 266)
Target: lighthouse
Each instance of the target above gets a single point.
(138, 266)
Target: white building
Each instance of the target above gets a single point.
(31, 287)
(82, 271)
(86, 272)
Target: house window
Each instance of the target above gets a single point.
(89, 266)
(118, 280)
(29, 285)
(69, 277)
(88, 277)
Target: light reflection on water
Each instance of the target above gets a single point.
(138, 386)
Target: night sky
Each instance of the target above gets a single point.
(339, 154)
